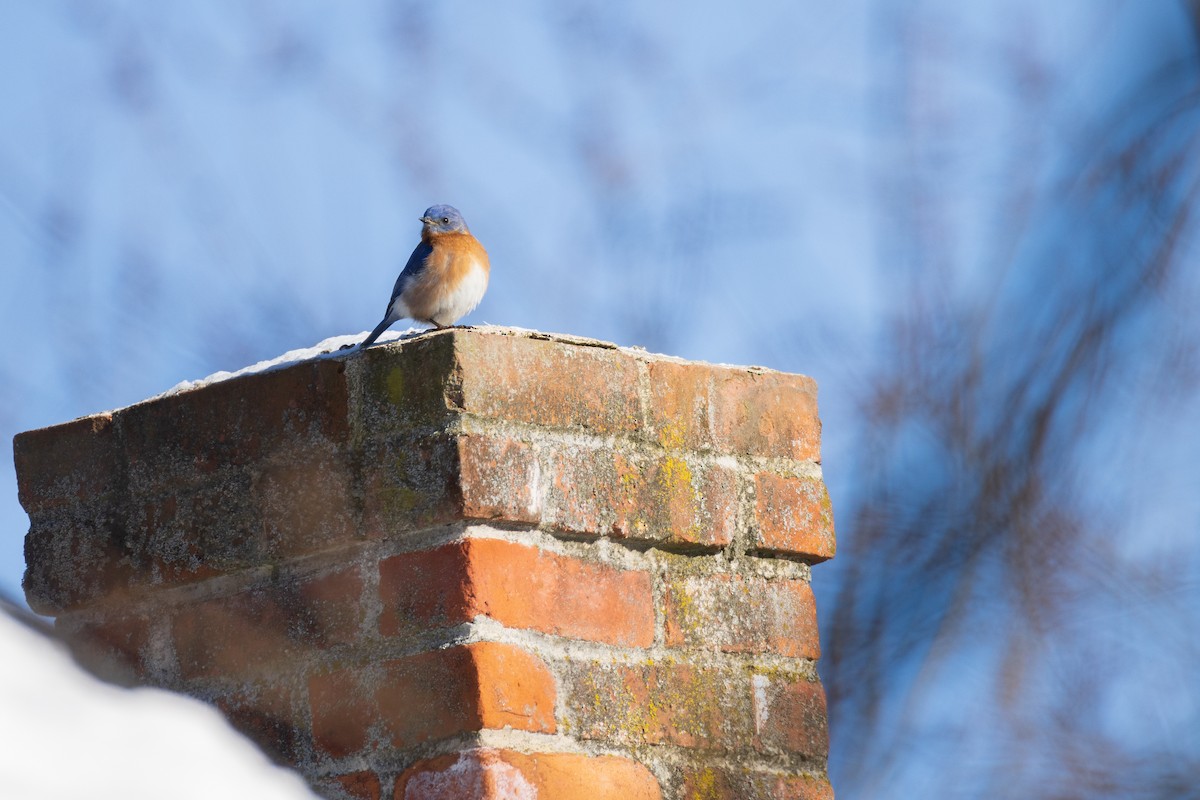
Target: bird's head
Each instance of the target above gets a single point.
(443, 219)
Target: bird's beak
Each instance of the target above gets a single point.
(426, 220)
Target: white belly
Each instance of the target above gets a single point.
(455, 304)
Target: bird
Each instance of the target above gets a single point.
(445, 277)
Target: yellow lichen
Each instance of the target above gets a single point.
(705, 785)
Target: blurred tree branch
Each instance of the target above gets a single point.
(978, 541)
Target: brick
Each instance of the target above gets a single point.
(433, 695)
(680, 405)
(363, 785)
(76, 554)
(77, 461)
(409, 484)
(267, 716)
(793, 516)
(402, 389)
(771, 414)
(789, 715)
(801, 787)
(116, 647)
(741, 614)
(658, 702)
(490, 774)
(255, 630)
(235, 422)
(518, 586)
(515, 688)
(303, 499)
(189, 534)
(546, 383)
(342, 709)
(667, 499)
(426, 589)
(708, 782)
(498, 478)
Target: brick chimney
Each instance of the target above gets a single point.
(476, 564)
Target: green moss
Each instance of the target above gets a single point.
(394, 384)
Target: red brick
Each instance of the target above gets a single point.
(409, 484)
(74, 555)
(426, 589)
(547, 383)
(731, 783)
(267, 716)
(257, 629)
(432, 696)
(343, 708)
(770, 414)
(189, 534)
(740, 614)
(488, 774)
(115, 647)
(800, 787)
(518, 586)
(360, 785)
(497, 479)
(667, 499)
(234, 422)
(401, 389)
(658, 702)
(789, 715)
(794, 517)
(77, 461)
(516, 688)
(680, 406)
(303, 497)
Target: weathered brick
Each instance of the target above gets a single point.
(75, 554)
(78, 461)
(793, 516)
(497, 479)
(529, 431)
(268, 716)
(427, 589)
(254, 630)
(234, 422)
(708, 782)
(343, 709)
(680, 407)
(116, 647)
(432, 696)
(518, 586)
(188, 534)
(524, 379)
(363, 785)
(303, 499)
(409, 484)
(657, 702)
(490, 774)
(461, 689)
(740, 614)
(641, 497)
(404, 388)
(789, 715)
(770, 414)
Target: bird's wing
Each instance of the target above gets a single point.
(414, 267)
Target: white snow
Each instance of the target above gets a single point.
(332, 347)
(65, 734)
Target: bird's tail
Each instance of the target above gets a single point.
(380, 328)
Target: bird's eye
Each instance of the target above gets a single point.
(445, 220)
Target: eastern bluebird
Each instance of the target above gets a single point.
(445, 276)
